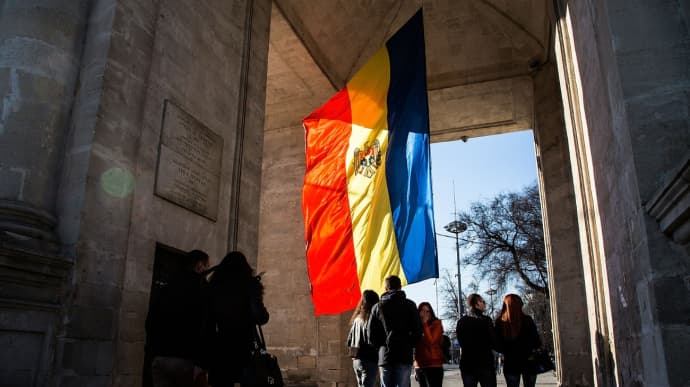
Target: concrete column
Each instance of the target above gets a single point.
(567, 291)
(40, 51)
(40, 48)
(652, 46)
(627, 348)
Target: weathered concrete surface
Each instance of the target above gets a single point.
(481, 109)
(40, 48)
(629, 343)
(652, 47)
(310, 350)
(567, 289)
(623, 73)
(138, 54)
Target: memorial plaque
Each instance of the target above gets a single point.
(189, 162)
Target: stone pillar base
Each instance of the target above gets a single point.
(27, 226)
(31, 297)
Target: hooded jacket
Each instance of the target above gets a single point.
(395, 328)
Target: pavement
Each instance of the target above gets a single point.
(451, 378)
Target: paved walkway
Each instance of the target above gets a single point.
(451, 378)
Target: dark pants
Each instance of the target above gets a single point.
(429, 377)
(172, 372)
(513, 380)
(485, 378)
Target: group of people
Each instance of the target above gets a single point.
(202, 323)
(513, 334)
(390, 337)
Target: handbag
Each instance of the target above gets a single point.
(539, 362)
(263, 369)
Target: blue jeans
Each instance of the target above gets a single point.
(513, 380)
(365, 372)
(397, 375)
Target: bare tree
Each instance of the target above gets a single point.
(537, 305)
(505, 238)
(449, 296)
(504, 241)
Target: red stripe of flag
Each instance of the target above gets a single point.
(330, 253)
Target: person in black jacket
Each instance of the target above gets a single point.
(395, 329)
(517, 339)
(174, 326)
(364, 355)
(235, 307)
(476, 336)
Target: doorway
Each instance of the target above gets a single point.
(168, 261)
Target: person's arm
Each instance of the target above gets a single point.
(434, 332)
(535, 341)
(493, 339)
(258, 309)
(375, 331)
(204, 334)
(416, 329)
(351, 334)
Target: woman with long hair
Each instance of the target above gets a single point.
(517, 339)
(428, 355)
(364, 355)
(235, 308)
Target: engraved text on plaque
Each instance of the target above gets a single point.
(189, 162)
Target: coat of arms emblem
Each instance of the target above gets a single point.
(368, 159)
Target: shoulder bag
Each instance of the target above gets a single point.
(263, 369)
(539, 362)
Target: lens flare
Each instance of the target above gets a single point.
(117, 182)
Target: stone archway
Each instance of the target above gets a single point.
(84, 84)
(472, 104)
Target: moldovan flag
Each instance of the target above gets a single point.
(367, 187)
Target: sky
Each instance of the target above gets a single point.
(480, 169)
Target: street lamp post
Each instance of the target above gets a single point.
(491, 293)
(457, 227)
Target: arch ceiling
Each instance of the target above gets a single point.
(468, 42)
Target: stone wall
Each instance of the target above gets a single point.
(41, 44)
(626, 342)
(567, 289)
(652, 46)
(310, 349)
(209, 60)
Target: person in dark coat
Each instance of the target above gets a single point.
(475, 333)
(174, 326)
(395, 329)
(517, 339)
(235, 307)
